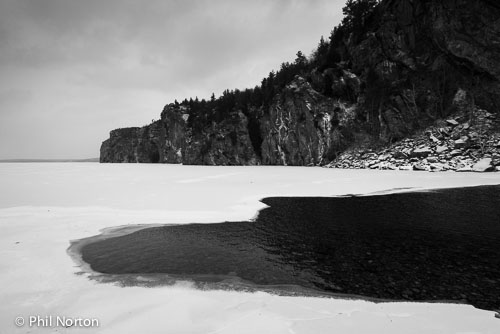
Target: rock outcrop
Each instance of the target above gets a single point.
(135, 144)
(417, 88)
(226, 143)
(458, 144)
(303, 127)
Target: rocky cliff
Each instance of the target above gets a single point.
(412, 65)
(135, 144)
(302, 127)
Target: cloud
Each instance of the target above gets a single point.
(93, 56)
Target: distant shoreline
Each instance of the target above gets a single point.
(50, 160)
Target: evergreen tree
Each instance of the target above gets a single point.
(252, 101)
(356, 13)
(322, 47)
(301, 60)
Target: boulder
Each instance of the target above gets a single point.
(400, 155)
(384, 157)
(444, 131)
(434, 139)
(460, 143)
(464, 169)
(420, 167)
(437, 167)
(441, 149)
(484, 165)
(421, 152)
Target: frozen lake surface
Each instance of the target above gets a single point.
(45, 206)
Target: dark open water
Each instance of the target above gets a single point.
(440, 245)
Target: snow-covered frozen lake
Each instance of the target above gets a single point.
(45, 205)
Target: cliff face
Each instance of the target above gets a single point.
(402, 74)
(226, 143)
(303, 127)
(135, 144)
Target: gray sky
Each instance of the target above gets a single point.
(72, 70)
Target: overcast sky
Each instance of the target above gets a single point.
(72, 70)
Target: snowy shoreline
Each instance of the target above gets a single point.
(47, 205)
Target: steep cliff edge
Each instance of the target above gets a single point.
(135, 144)
(303, 127)
(396, 68)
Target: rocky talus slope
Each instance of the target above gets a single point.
(417, 88)
(460, 143)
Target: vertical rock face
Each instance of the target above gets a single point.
(302, 127)
(172, 140)
(226, 143)
(134, 144)
(174, 120)
(469, 32)
(417, 62)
